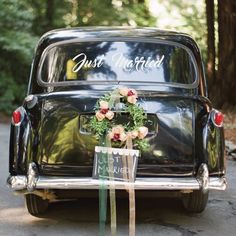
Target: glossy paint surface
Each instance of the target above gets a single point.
(171, 135)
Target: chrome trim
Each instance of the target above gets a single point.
(212, 116)
(33, 181)
(31, 100)
(218, 183)
(32, 177)
(177, 183)
(18, 182)
(203, 177)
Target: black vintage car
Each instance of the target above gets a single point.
(51, 143)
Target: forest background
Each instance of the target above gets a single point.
(211, 23)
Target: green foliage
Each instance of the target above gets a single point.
(138, 116)
(16, 48)
(7, 90)
(101, 128)
(188, 16)
(112, 13)
(142, 144)
(22, 22)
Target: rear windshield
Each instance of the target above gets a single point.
(118, 61)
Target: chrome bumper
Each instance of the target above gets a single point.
(33, 181)
(20, 183)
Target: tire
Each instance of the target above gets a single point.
(195, 202)
(35, 204)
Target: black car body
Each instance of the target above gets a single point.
(52, 147)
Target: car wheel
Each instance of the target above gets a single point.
(35, 204)
(195, 201)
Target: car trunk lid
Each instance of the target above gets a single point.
(67, 144)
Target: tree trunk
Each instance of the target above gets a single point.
(225, 87)
(49, 14)
(210, 42)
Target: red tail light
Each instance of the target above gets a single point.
(218, 118)
(16, 117)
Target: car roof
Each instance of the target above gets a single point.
(60, 35)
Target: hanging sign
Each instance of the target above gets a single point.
(115, 163)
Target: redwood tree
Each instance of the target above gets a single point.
(224, 92)
(211, 52)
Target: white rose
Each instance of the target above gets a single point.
(142, 132)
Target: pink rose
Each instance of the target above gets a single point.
(99, 116)
(116, 137)
(110, 135)
(124, 92)
(103, 105)
(123, 137)
(117, 134)
(118, 129)
(132, 99)
(132, 92)
(109, 115)
(142, 132)
(134, 134)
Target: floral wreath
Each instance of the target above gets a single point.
(105, 124)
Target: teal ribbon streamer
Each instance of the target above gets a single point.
(102, 194)
(102, 209)
(112, 193)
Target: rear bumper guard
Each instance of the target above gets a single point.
(33, 181)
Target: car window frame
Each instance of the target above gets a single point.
(116, 39)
